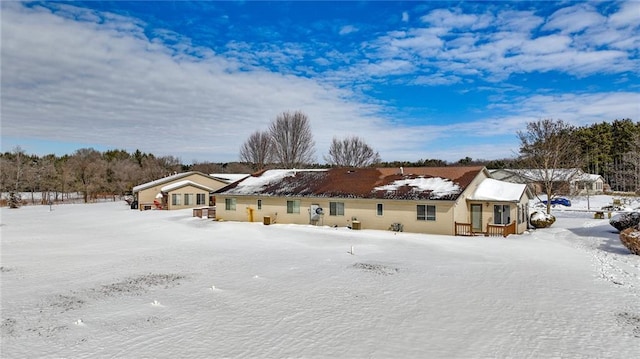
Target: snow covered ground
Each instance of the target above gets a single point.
(102, 281)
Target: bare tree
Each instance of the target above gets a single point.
(351, 152)
(42, 178)
(257, 150)
(548, 148)
(88, 169)
(126, 174)
(158, 167)
(206, 167)
(293, 144)
(14, 173)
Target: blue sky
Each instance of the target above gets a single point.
(415, 80)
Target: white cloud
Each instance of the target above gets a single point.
(574, 19)
(627, 15)
(91, 77)
(79, 81)
(348, 29)
(517, 21)
(547, 44)
(576, 40)
(456, 20)
(436, 80)
(405, 16)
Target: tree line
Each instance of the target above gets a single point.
(610, 149)
(91, 173)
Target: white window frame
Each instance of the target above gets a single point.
(230, 204)
(336, 208)
(501, 214)
(175, 199)
(293, 206)
(380, 209)
(428, 212)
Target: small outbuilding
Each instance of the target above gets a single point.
(178, 191)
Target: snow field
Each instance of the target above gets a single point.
(101, 280)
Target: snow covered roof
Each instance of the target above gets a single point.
(439, 187)
(494, 190)
(445, 183)
(539, 174)
(229, 177)
(180, 184)
(162, 180)
(587, 177)
(168, 179)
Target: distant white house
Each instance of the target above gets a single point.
(568, 181)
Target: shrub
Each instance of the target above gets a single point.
(630, 238)
(622, 221)
(542, 220)
(14, 200)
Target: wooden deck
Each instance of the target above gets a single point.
(208, 212)
(493, 230)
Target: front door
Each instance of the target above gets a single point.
(476, 217)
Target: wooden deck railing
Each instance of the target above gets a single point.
(209, 212)
(463, 229)
(493, 230)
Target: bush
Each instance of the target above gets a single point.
(542, 220)
(622, 221)
(630, 238)
(14, 200)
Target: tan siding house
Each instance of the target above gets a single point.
(420, 200)
(179, 191)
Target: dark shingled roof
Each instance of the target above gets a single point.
(355, 183)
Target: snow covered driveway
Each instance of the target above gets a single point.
(104, 281)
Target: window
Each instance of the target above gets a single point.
(501, 214)
(520, 210)
(426, 212)
(188, 199)
(200, 198)
(380, 209)
(336, 208)
(259, 204)
(230, 204)
(293, 206)
(175, 199)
